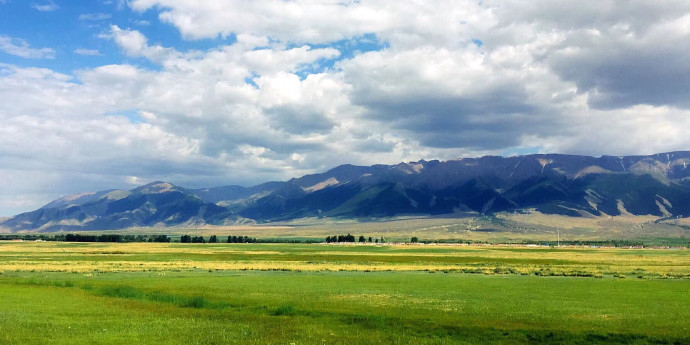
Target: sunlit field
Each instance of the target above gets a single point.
(484, 259)
(162, 293)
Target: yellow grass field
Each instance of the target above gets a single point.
(89, 258)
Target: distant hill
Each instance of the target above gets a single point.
(578, 186)
(155, 204)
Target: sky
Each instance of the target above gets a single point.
(103, 94)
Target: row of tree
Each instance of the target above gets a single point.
(214, 239)
(351, 238)
(147, 238)
(246, 239)
(87, 238)
(112, 238)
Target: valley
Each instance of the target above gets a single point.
(547, 249)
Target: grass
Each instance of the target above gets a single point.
(162, 257)
(154, 293)
(339, 308)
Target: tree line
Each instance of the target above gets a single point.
(115, 238)
(214, 239)
(350, 238)
(88, 238)
(150, 238)
(126, 238)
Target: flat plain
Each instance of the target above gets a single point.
(161, 293)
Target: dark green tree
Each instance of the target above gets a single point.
(161, 238)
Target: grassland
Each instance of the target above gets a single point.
(155, 293)
(162, 257)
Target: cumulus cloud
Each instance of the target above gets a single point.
(621, 68)
(19, 47)
(136, 44)
(289, 21)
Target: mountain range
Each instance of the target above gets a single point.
(578, 186)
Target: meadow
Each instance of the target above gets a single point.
(163, 293)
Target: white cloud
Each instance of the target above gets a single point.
(119, 4)
(94, 16)
(290, 21)
(19, 47)
(135, 44)
(88, 52)
(46, 7)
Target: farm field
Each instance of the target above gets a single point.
(161, 293)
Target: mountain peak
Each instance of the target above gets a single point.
(155, 188)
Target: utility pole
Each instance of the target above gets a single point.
(558, 230)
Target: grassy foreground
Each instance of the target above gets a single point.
(95, 293)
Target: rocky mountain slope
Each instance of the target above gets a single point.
(155, 204)
(578, 186)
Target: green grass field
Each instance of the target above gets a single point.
(149, 293)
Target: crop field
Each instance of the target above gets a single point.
(164, 293)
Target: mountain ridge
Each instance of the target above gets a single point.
(573, 185)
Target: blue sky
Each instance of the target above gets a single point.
(76, 35)
(108, 94)
(74, 26)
